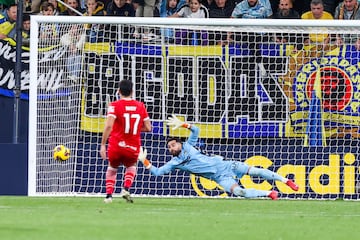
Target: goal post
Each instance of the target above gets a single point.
(281, 95)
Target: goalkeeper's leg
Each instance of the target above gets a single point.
(254, 193)
(240, 169)
(270, 175)
(230, 185)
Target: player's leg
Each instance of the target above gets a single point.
(230, 185)
(110, 183)
(129, 176)
(254, 193)
(129, 160)
(240, 169)
(270, 175)
(111, 172)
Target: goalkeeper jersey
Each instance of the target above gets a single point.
(192, 160)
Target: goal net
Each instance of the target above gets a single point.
(276, 96)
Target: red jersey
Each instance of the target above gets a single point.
(129, 118)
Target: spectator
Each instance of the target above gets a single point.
(47, 9)
(35, 6)
(348, 10)
(74, 41)
(25, 31)
(95, 8)
(252, 9)
(120, 8)
(106, 3)
(49, 32)
(8, 21)
(123, 9)
(168, 8)
(220, 9)
(57, 9)
(285, 11)
(317, 13)
(194, 9)
(145, 8)
(75, 5)
(302, 6)
(95, 32)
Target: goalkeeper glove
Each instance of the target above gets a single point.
(142, 158)
(176, 123)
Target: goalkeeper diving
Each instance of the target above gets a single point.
(189, 159)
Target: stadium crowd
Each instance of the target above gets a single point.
(277, 9)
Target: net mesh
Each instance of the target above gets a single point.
(277, 97)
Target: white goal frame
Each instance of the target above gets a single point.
(254, 25)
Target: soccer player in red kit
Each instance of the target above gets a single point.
(126, 119)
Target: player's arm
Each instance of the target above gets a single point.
(106, 133)
(168, 167)
(177, 123)
(146, 126)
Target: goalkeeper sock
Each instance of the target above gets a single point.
(110, 179)
(250, 193)
(129, 176)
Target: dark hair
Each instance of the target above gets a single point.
(46, 5)
(125, 87)
(26, 17)
(11, 5)
(172, 139)
(316, 2)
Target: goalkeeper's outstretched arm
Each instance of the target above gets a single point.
(142, 158)
(168, 167)
(177, 123)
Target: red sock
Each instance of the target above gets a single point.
(110, 179)
(129, 176)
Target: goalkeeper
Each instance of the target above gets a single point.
(189, 159)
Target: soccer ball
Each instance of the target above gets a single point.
(61, 153)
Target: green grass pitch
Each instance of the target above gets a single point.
(52, 218)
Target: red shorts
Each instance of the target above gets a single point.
(122, 155)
